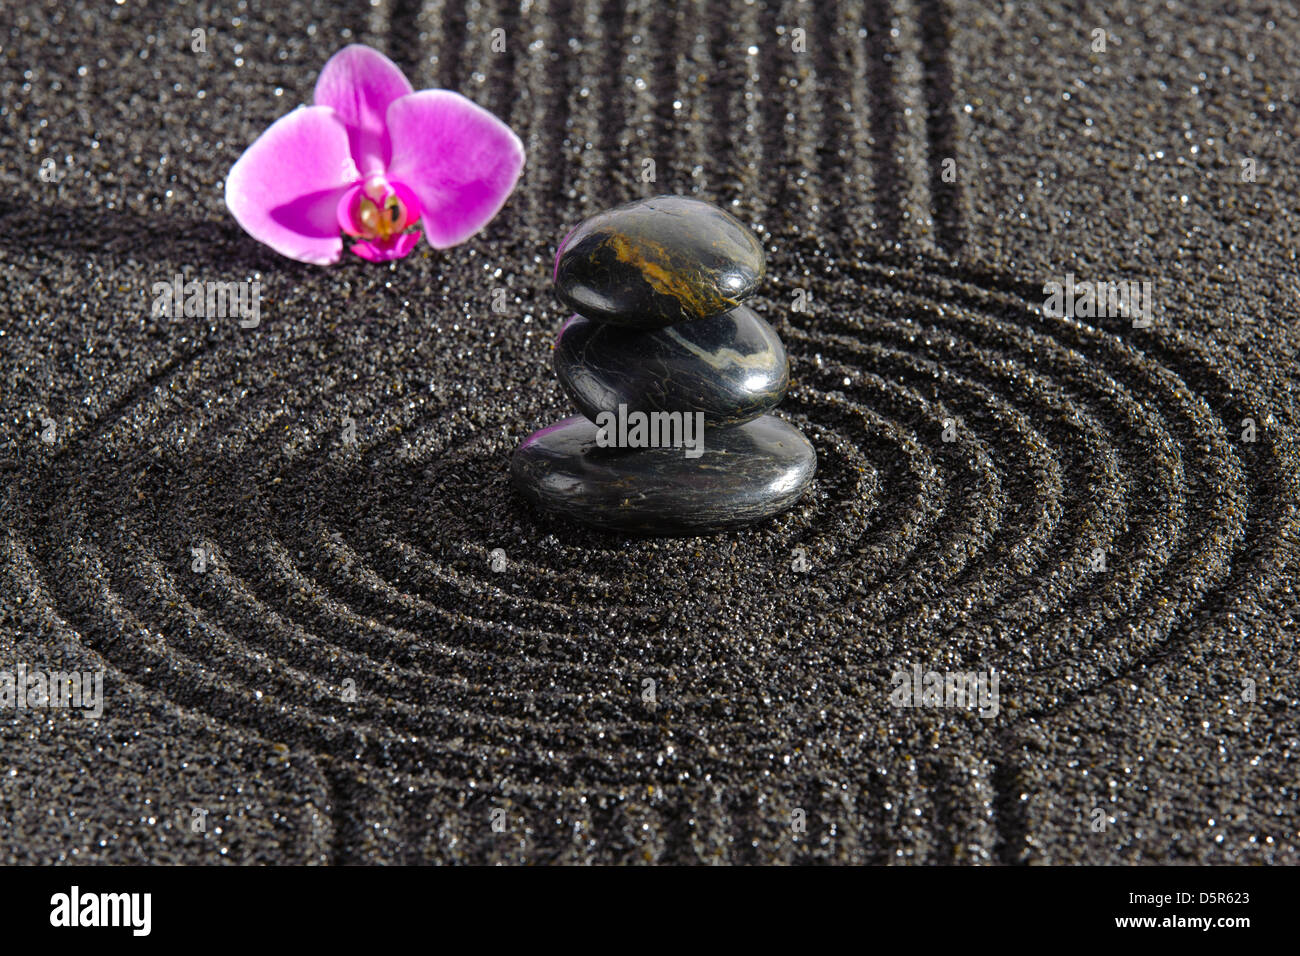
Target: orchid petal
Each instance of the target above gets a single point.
(459, 160)
(286, 187)
(359, 83)
(382, 251)
(346, 211)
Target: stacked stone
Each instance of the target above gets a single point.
(657, 286)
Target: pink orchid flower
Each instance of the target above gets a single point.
(373, 159)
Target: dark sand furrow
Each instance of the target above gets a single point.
(610, 105)
(661, 44)
(807, 131)
(402, 22)
(745, 43)
(639, 138)
(584, 110)
(777, 173)
(889, 179)
(533, 116)
(449, 34)
(695, 116)
(489, 56)
(911, 145)
(943, 127)
(716, 102)
(845, 154)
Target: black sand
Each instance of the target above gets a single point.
(524, 690)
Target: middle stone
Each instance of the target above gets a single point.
(732, 367)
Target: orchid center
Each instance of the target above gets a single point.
(379, 211)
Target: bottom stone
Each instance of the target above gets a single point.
(744, 474)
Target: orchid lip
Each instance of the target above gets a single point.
(378, 212)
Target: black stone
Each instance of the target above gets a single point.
(657, 262)
(745, 474)
(732, 367)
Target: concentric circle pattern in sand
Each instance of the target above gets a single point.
(348, 602)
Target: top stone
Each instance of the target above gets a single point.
(657, 262)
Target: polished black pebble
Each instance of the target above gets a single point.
(732, 367)
(657, 262)
(745, 474)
